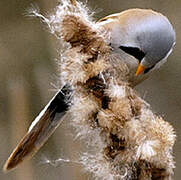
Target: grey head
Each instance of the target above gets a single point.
(144, 34)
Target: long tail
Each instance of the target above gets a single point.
(41, 128)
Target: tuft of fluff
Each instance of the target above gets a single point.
(66, 8)
(83, 109)
(74, 66)
(100, 167)
(129, 140)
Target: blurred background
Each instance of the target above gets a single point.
(28, 77)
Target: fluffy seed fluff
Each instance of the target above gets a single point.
(130, 141)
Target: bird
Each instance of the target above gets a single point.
(142, 38)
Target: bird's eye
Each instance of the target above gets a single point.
(133, 51)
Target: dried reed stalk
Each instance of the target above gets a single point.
(129, 140)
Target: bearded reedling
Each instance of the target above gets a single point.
(102, 64)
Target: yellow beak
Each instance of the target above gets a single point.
(140, 69)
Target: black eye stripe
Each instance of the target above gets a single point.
(133, 51)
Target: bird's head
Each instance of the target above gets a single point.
(143, 38)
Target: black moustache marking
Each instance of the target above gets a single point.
(133, 51)
(148, 69)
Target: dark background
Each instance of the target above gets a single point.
(28, 79)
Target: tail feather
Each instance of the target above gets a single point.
(41, 128)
